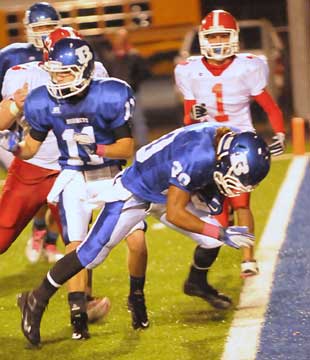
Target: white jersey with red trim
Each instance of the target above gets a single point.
(227, 95)
(33, 74)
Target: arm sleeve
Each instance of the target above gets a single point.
(35, 117)
(257, 76)
(125, 107)
(100, 71)
(187, 109)
(14, 79)
(182, 81)
(275, 116)
(123, 131)
(4, 65)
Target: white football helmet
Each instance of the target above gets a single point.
(219, 22)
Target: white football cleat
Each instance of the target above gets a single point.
(35, 245)
(51, 253)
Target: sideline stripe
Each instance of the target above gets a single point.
(243, 338)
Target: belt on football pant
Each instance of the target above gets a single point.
(106, 172)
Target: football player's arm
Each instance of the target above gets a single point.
(10, 109)
(187, 105)
(178, 215)
(28, 147)
(265, 100)
(122, 148)
(275, 116)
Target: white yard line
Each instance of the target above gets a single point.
(244, 335)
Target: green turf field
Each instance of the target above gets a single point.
(182, 328)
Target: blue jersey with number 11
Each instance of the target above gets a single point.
(185, 158)
(106, 105)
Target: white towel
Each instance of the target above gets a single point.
(65, 178)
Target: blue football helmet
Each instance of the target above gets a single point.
(69, 56)
(243, 160)
(39, 15)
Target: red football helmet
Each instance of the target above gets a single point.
(219, 22)
(56, 35)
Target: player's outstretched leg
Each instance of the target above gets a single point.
(197, 285)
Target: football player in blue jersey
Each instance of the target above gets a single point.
(40, 19)
(82, 112)
(167, 171)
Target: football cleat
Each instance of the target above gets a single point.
(35, 245)
(249, 268)
(208, 293)
(79, 326)
(137, 308)
(32, 313)
(51, 253)
(98, 309)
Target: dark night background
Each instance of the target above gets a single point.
(273, 10)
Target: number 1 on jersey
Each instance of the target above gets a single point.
(218, 91)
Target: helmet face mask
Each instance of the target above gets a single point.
(40, 19)
(219, 22)
(72, 60)
(243, 161)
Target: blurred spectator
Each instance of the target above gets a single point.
(124, 62)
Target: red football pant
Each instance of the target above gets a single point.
(24, 192)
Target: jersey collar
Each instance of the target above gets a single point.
(217, 70)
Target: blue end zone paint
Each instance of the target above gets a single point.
(286, 332)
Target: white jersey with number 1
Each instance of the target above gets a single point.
(227, 95)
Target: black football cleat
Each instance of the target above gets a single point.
(208, 293)
(32, 313)
(80, 327)
(137, 308)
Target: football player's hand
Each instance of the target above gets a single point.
(237, 237)
(86, 142)
(9, 140)
(199, 112)
(277, 147)
(20, 96)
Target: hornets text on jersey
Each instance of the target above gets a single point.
(106, 105)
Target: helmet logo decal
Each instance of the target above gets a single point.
(239, 163)
(84, 54)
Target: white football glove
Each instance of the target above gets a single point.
(237, 237)
(83, 139)
(199, 112)
(277, 147)
(86, 142)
